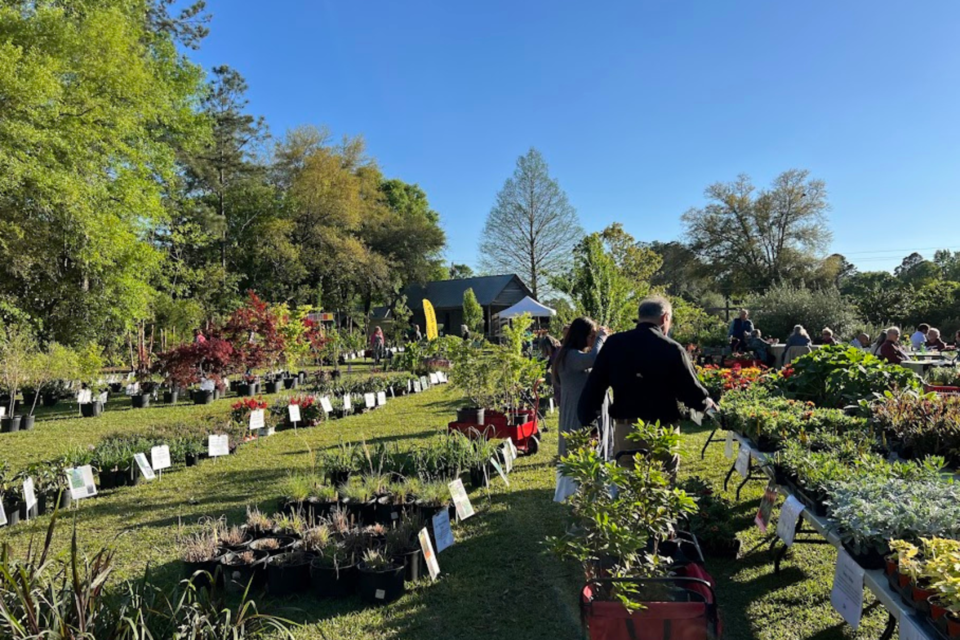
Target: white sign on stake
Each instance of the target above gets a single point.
(218, 446)
(728, 446)
(294, 411)
(427, 547)
(29, 494)
(347, 405)
(551, 406)
(442, 531)
(423, 383)
(381, 398)
(416, 386)
(434, 379)
(160, 457)
(409, 386)
(80, 481)
(3, 514)
(789, 516)
(847, 593)
(141, 459)
(325, 405)
(85, 396)
(508, 457)
(460, 499)
(742, 465)
(256, 419)
(3, 412)
(370, 400)
(103, 397)
(496, 465)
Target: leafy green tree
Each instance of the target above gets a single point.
(532, 228)
(779, 309)
(472, 312)
(915, 271)
(92, 102)
(460, 271)
(751, 240)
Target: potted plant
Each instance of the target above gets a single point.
(43, 369)
(17, 348)
(243, 570)
(201, 555)
(333, 571)
(357, 496)
(336, 464)
(432, 498)
(380, 579)
(90, 365)
(481, 451)
(403, 547)
(288, 573)
(474, 373)
(9, 495)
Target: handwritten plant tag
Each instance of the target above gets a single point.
(326, 405)
(728, 446)
(294, 412)
(460, 499)
(431, 558)
(496, 465)
(257, 420)
(160, 457)
(847, 593)
(218, 446)
(381, 398)
(141, 460)
(769, 499)
(442, 531)
(370, 400)
(29, 494)
(742, 465)
(787, 522)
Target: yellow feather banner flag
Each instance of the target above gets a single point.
(431, 317)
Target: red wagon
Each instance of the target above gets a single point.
(520, 426)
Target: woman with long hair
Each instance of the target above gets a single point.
(572, 366)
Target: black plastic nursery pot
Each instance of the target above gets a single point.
(283, 545)
(192, 459)
(116, 387)
(91, 409)
(291, 383)
(171, 397)
(65, 500)
(140, 401)
(332, 582)
(11, 507)
(414, 565)
(238, 574)
(246, 390)
(272, 387)
(870, 559)
(288, 573)
(480, 477)
(10, 425)
(42, 500)
(472, 415)
(202, 397)
(380, 587)
(26, 423)
(204, 574)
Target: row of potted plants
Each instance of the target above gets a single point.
(721, 380)
(927, 576)
(945, 379)
(915, 425)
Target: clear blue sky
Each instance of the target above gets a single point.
(636, 105)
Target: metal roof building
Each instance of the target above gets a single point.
(494, 293)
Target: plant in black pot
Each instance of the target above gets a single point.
(243, 571)
(46, 371)
(337, 463)
(272, 545)
(201, 554)
(479, 464)
(288, 573)
(9, 495)
(194, 448)
(112, 459)
(235, 538)
(380, 580)
(289, 525)
(403, 547)
(333, 570)
(432, 498)
(17, 351)
(357, 497)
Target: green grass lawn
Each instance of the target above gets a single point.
(497, 581)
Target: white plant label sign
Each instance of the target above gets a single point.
(347, 405)
(80, 481)
(442, 531)
(218, 446)
(370, 400)
(103, 397)
(416, 386)
(256, 419)
(3, 514)
(325, 405)
(381, 398)
(29, 494)
(409, 386)
(207, 385)
(423, 383)
(514, 454)
(551, 406)
(789, 516)
(443, 377)
(508, 457)
(3, 412)
(460, 499)
(160, 457)
(728, 446)
(742, 465)
(85, 396)
(141, 459)
(434, 379)
(427, 547)
(496, 465)
(294, 411)
(847, 593)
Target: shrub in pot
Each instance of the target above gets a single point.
(288, 573)
(201, 554)
(432, 498)
(243, 570)
(272, 386)
(358, 498)
(333, 571)
(380, 580)
(235, 539)
(403, 547)
(336, 464)
(10, 424)
(17, 364)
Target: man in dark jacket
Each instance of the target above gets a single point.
(649, 374)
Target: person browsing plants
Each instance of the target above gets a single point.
(649, 373)
(571, 368)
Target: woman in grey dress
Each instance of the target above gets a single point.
(571, 369)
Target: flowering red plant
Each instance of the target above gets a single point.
(240, 410)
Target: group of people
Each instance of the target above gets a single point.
(887, 345)
(648, 372)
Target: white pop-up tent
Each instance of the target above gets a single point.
(527, 305)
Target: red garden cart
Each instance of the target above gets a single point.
(521, 426)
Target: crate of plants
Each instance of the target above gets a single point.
(944, 380)
(926, 574)
(637, 575)
(713, 524)
(718, 381)
(916, 425)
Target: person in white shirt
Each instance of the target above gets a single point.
(920, 336)
(862, 341)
